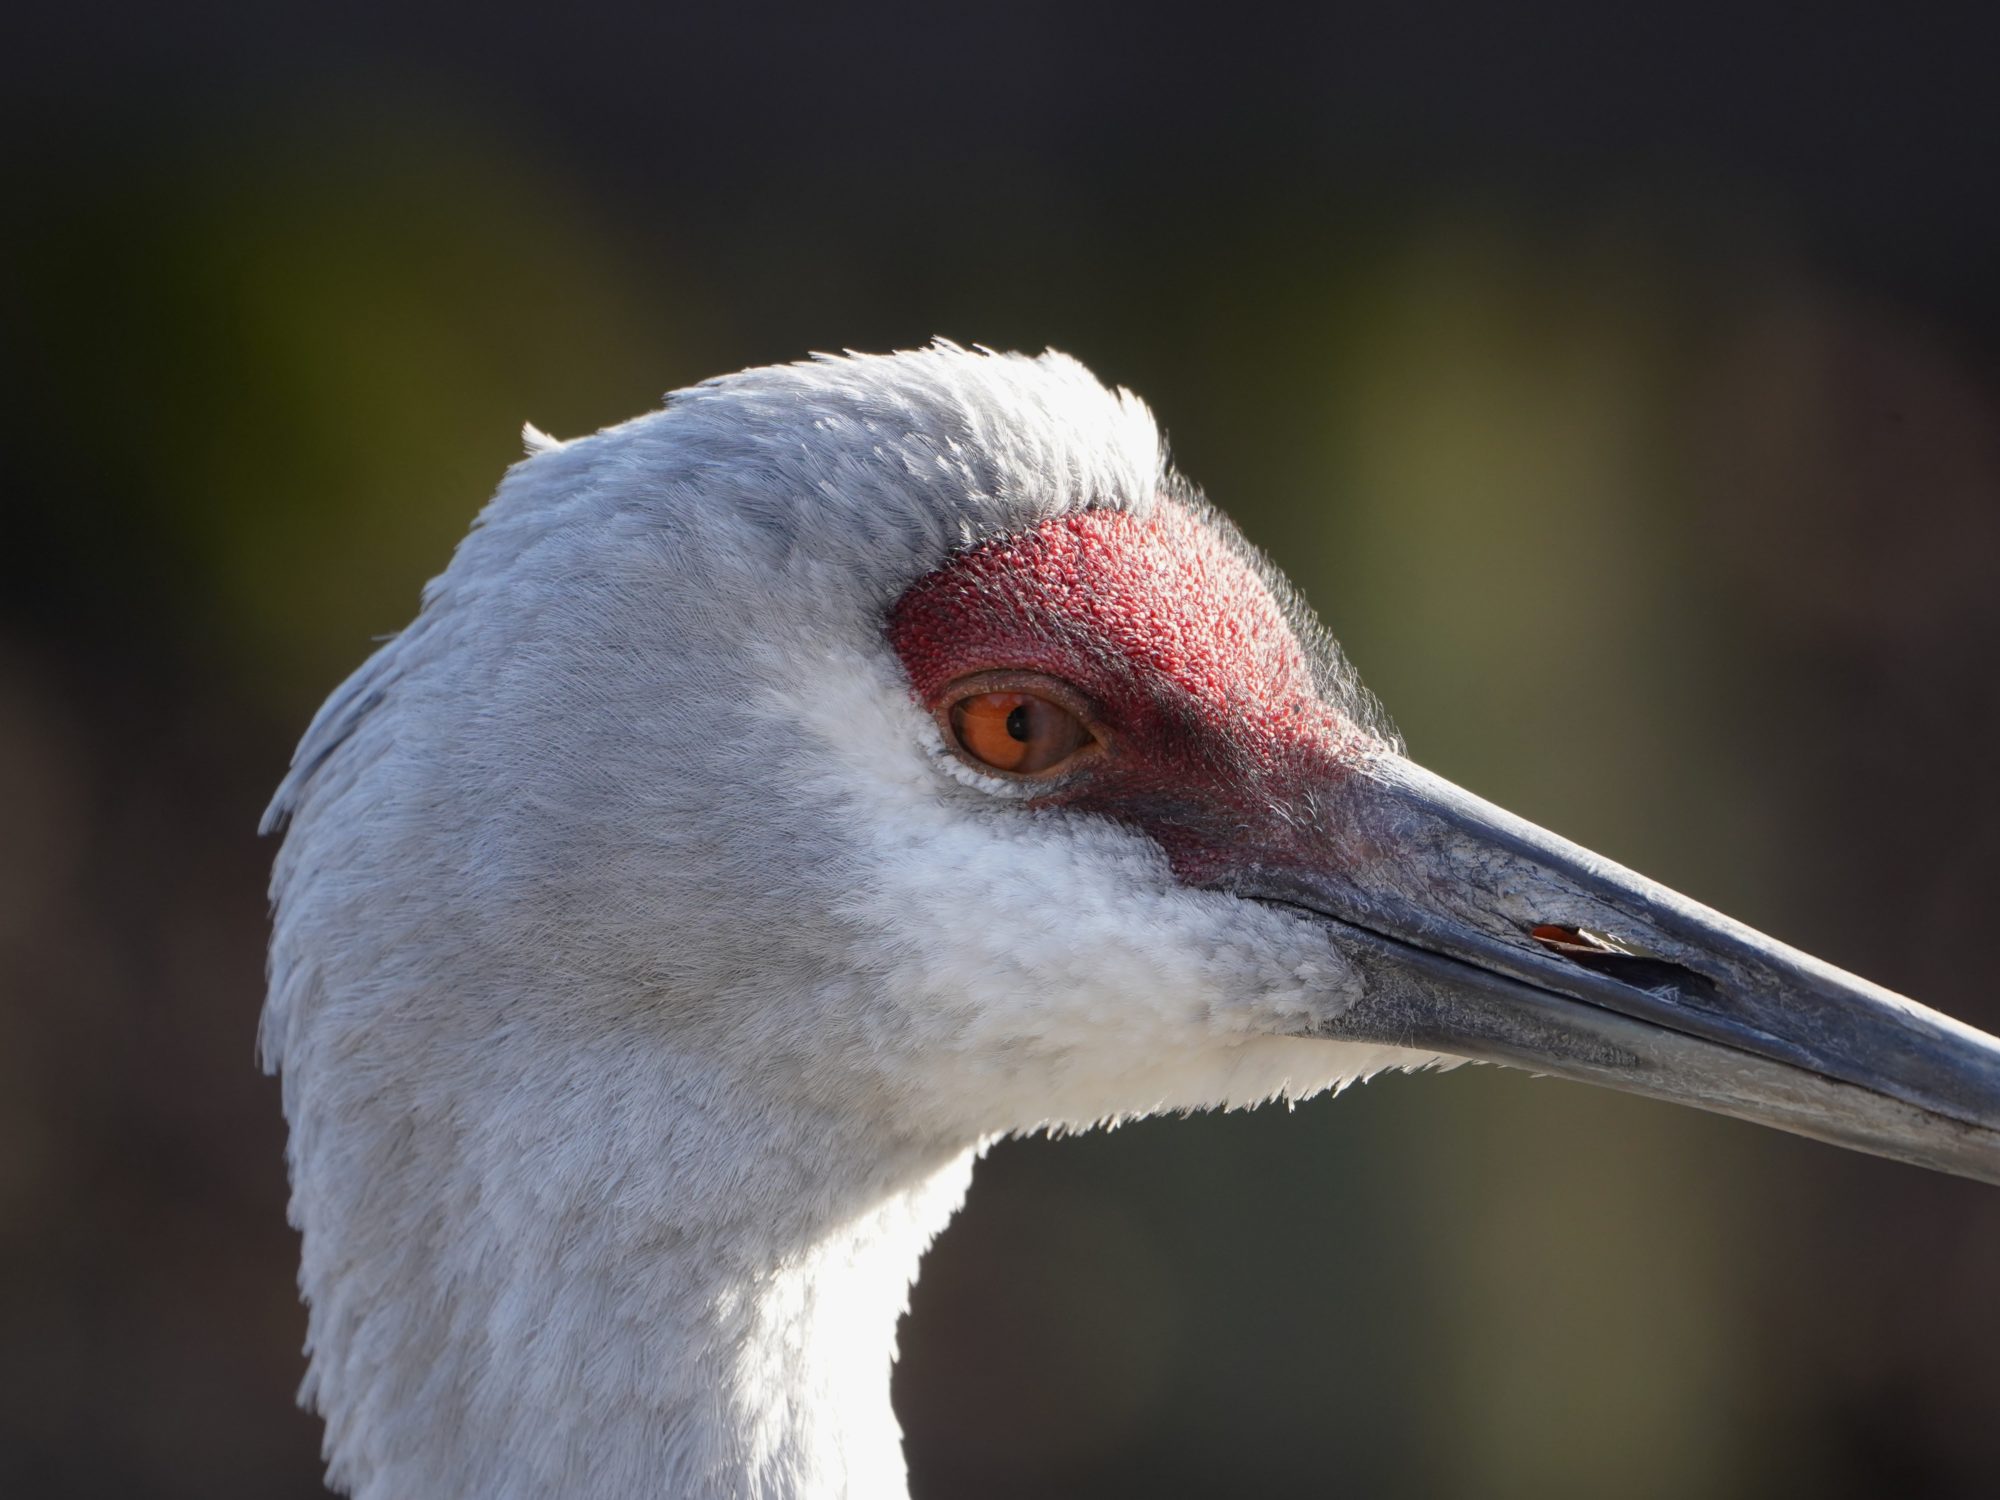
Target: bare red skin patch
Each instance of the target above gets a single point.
(1220, 747)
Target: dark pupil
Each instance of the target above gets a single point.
(1017, 723)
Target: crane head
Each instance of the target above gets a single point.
(902, 735)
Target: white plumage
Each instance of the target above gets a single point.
(646, 976)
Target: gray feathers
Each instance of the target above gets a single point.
(643, 980)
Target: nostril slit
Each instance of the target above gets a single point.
(1568, 940)
(1602, 953)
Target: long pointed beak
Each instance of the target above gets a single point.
(1483, 936)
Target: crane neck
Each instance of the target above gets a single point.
(605, 1280)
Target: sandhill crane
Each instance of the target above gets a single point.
(784, 794)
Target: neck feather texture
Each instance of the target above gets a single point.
(584, 1269)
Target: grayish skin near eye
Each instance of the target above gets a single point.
(649, 968)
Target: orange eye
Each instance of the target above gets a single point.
(1017, 730)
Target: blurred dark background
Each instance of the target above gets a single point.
(1623, 386)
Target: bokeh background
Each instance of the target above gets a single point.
(1622, 386)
